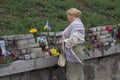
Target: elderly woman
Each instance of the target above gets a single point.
(73, 37)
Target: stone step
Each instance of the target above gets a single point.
(23, 36)
(27, 41)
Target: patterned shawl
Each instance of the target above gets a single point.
(78, 26)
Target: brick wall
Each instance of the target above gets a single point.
(23, 45)
(101, 63)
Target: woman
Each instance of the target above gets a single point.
(73, 37)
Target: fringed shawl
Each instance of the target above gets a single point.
(78, 26)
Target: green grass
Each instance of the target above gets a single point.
(18, 16)
(107, 10)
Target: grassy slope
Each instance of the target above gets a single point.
(18, 16)
(102, 12)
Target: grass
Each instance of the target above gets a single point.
(18, 16)
(108, 10)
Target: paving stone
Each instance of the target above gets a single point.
(50, 38)
(33, 55)
(21, 42)
(22, 57)
(34, 45)
(30, 41)
(59, 33)
(27, 56)
(110, 39)
(36, 50)
(39, 55)
(25, 51)
(28, 36)
(17, 52)
(106, 44)
(11, 37)
(93, 29)
(96, 33)
(103, 40)
(103, 27)
(23, 46)
(20, 37)
(104, 32)
(23, 36)
(98, 28)
(10, 43)
(12, 49)
(105, 36)
(112, 44)
(51, 33)
(44, 33)
(45, 62)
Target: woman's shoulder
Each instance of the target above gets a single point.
(77, 22)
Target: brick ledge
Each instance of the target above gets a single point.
(27, 65)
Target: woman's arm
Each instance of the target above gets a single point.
(75, 38)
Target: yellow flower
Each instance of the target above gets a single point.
(57, 54)
(33, 30)
(54, 52)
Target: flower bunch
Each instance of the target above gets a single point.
(54, 52)
(33, 30)
(9, 57)
(108, 28)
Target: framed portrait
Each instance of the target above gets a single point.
(2, 44)
(42, 39)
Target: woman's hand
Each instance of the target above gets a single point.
(68, 43)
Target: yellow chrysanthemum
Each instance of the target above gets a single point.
(54, 52)
(33, 30)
